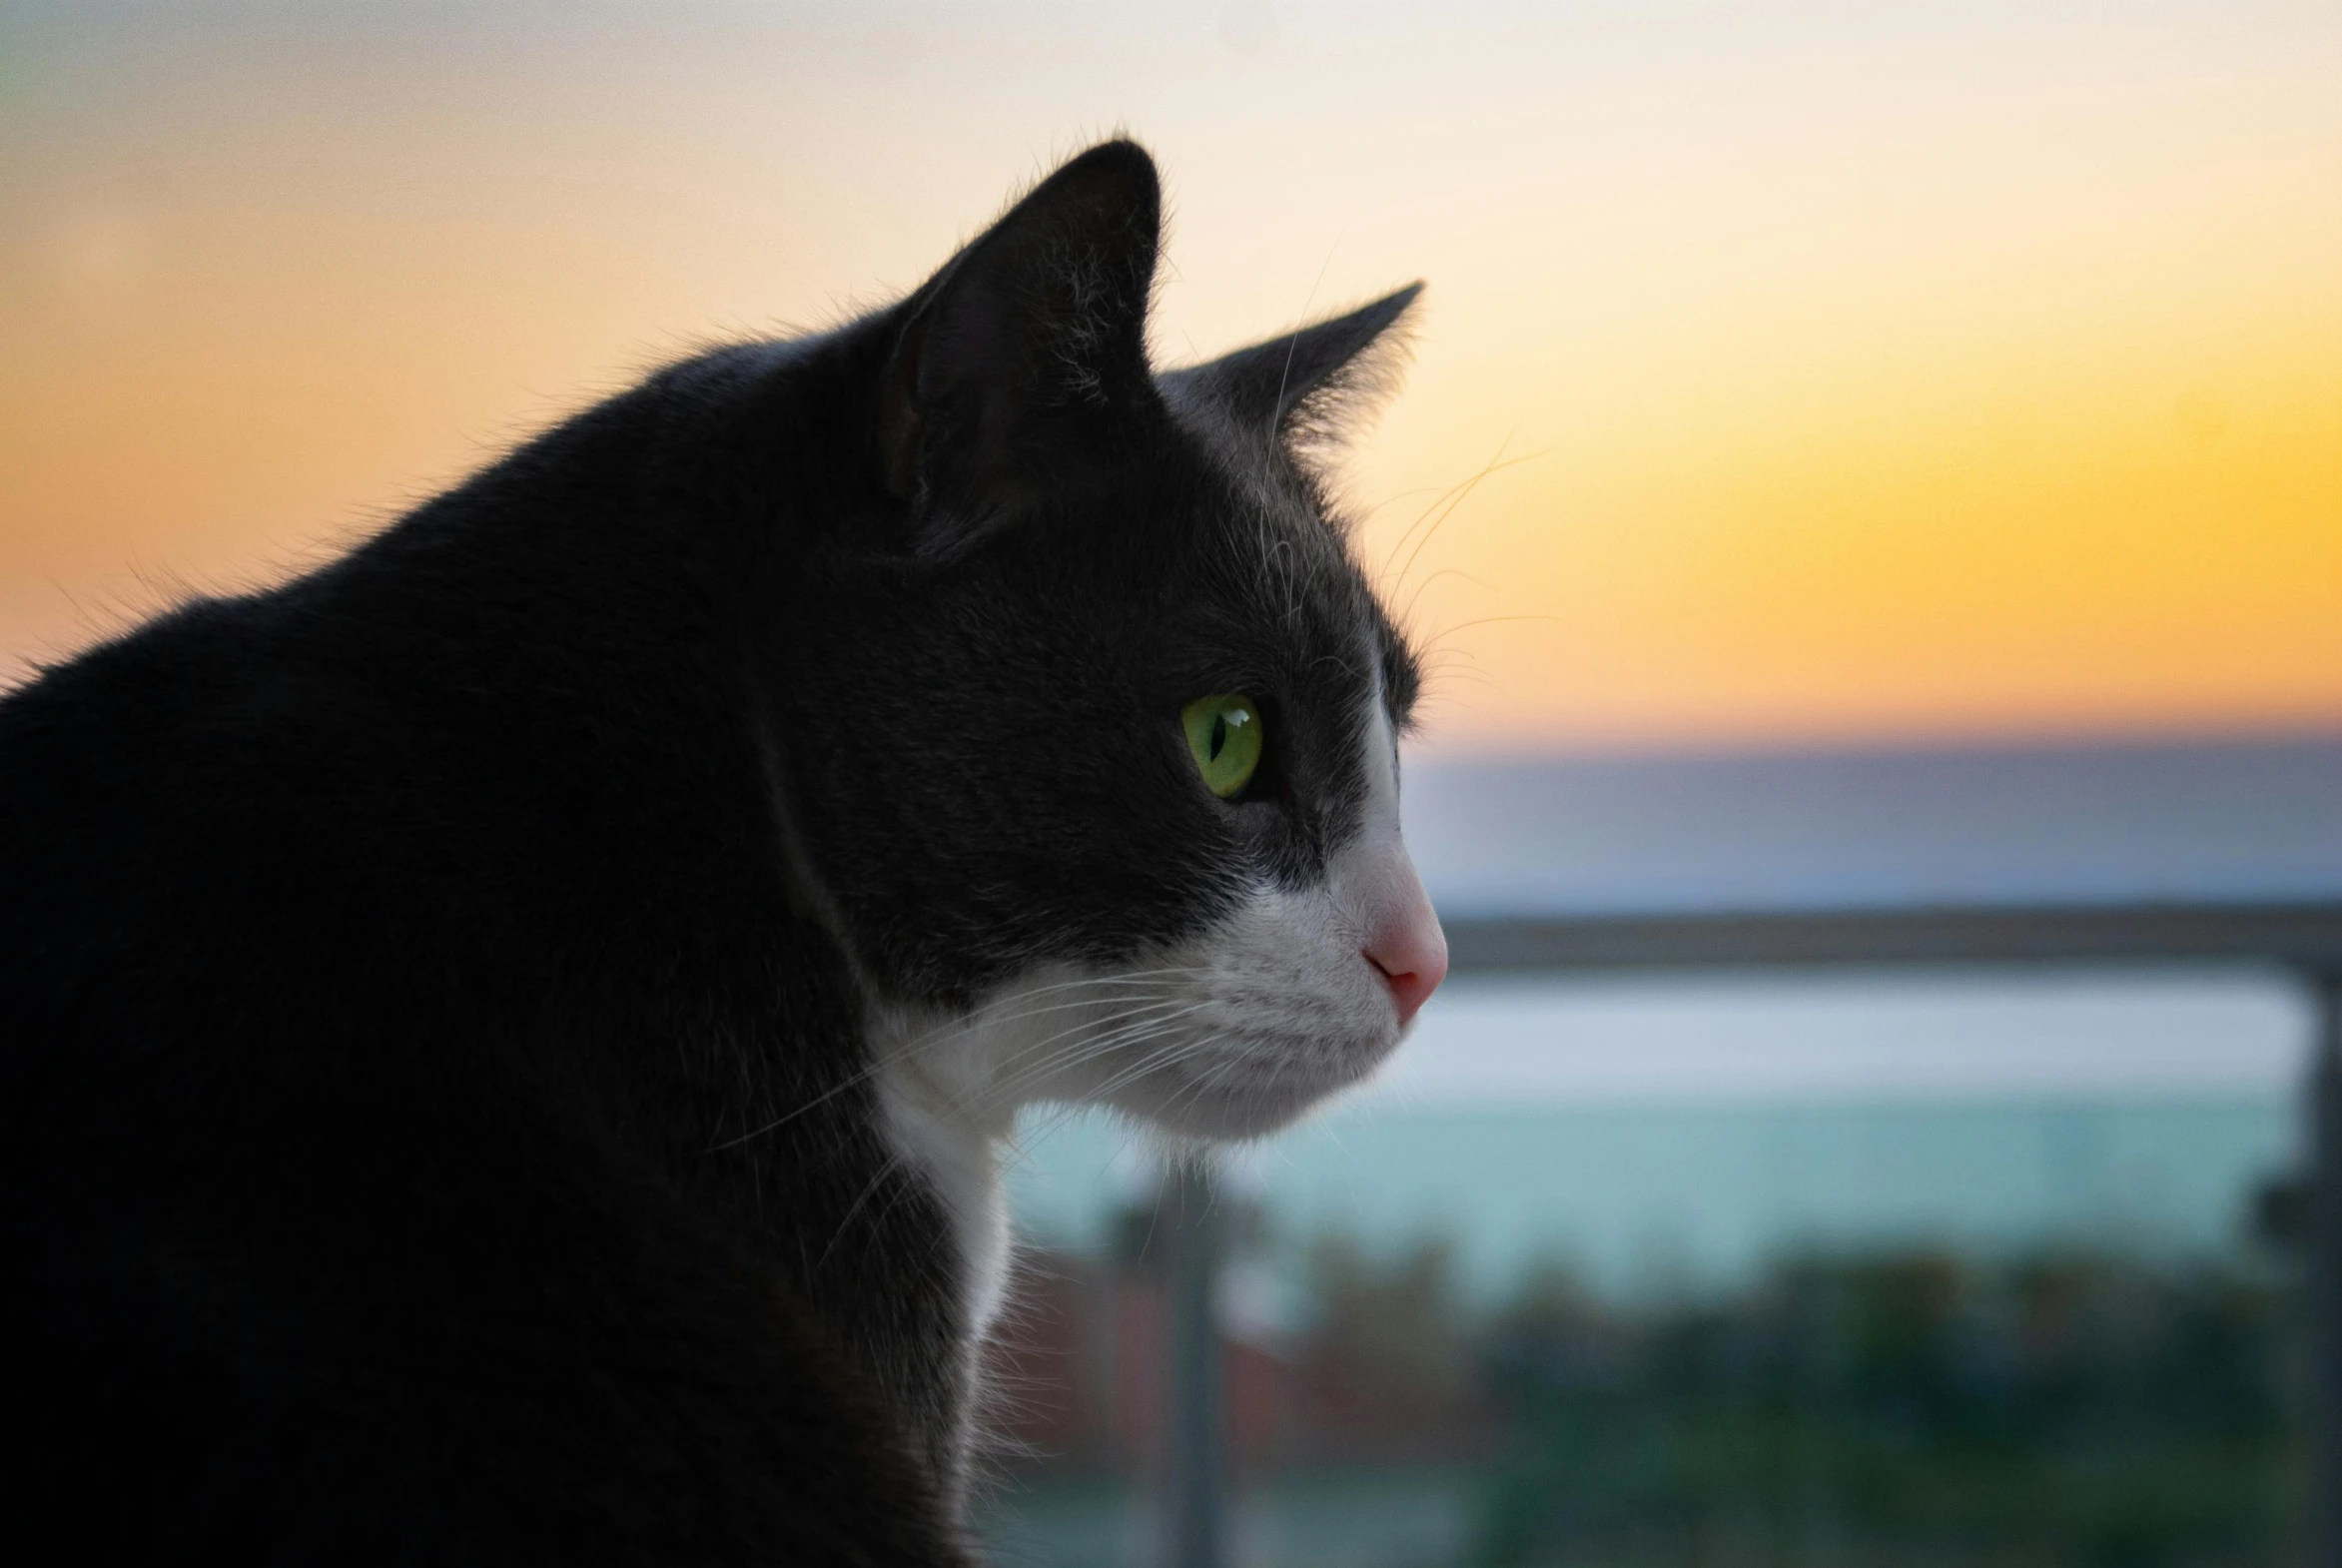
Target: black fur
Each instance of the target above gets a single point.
(436, 1123)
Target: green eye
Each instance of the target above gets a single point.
(1223, 736)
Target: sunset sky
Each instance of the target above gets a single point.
(1879, 373)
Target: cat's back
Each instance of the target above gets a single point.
(119, 770)
(305, 1256)
(165, 805)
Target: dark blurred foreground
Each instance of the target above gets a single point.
(2078, 1408)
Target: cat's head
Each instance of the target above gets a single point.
(1090, 718)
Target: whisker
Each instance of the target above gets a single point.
(880, 1060)
(1441, 505)
(1088, 1050)
(887, 1168)
(1120, 1036)
(1154, 1060)
(1438, 513)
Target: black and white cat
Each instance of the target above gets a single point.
(509, 1038)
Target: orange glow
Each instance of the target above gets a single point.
(1960, 371)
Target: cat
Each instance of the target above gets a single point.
(510, 1037)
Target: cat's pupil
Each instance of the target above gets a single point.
(1218, 734)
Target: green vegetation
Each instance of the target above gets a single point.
(1907, 1408)
(2081, 1411)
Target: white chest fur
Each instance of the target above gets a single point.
(957, 1151)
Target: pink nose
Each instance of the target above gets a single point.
(1411, 951)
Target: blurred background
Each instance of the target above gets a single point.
(1858, 460)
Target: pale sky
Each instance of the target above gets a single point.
(1884, 370)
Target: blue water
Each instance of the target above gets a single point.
(1672, 1197)
(1659, 1138)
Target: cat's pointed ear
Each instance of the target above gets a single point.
(1302, 384)
(1020, 346)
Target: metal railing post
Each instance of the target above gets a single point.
(1196, 1512)
(2324, 1307)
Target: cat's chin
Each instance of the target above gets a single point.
(1234, 1117)
(1243, 1095)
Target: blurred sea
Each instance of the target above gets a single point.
(1647, 1201)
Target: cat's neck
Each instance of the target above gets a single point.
(946, 1127)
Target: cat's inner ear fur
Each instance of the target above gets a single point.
(1023, 345)
(1310, 385)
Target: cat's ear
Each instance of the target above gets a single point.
(1020, 348)
(1301, 385)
